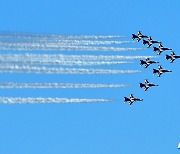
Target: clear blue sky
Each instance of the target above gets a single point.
(150, 127)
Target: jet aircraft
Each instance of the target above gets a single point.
(161, 49)
(150, 42)
(172, 57)
(160, 71)
(131, 99)
(147, 85)
(134, 36)
(147, 62)
(145, 42)
(139, 36)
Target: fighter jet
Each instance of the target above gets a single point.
(145, 42)
(161, 49)
(134, 36)
(139, 36)
(160, 71)
(172, 57)
(147, 62)
(150, 42)
(147, 85)
(131, 99)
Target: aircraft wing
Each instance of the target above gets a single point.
(160, 45)
(172, 53)
(159, 52)
(159, 74)
(147, 59)
(150, 38)
(149, 44)
(131, 103)
(146, 88)
(172, 60)
(146, 65)
(160, 67)
(131, 96)
(139, 33)
(146, 81)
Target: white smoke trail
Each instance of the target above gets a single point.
(76, 42)
(85, 42)
(8, 85)
(64, 63)
(41, 100)
(60, 42)
(47, 70)
(62, 57)
(81, 37)
(37, 36)
(29, 41)
(57, 47)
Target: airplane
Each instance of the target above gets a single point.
(131, 99)
(150, 42)
(135, 37)
(147, 85)
(160, 49)
(139, 36)
(172, 57)
(145, 42)
(160, 71)
(147, 62)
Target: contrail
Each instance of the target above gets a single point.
(87, 42)
(61, 57)
(21, 40)
(57, 47)
(41, 100)
(75, 42)
(64, 63)
(47, 70)
(10, 85)
(29, 41)
(38, 36)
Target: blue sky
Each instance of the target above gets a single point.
(148, 127)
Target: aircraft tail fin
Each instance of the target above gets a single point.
(126, 99)
(155, 49)
(141, 85)
(168, 57)
(155, 71)
(134, 36)
(145, 42)
(142, 62)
